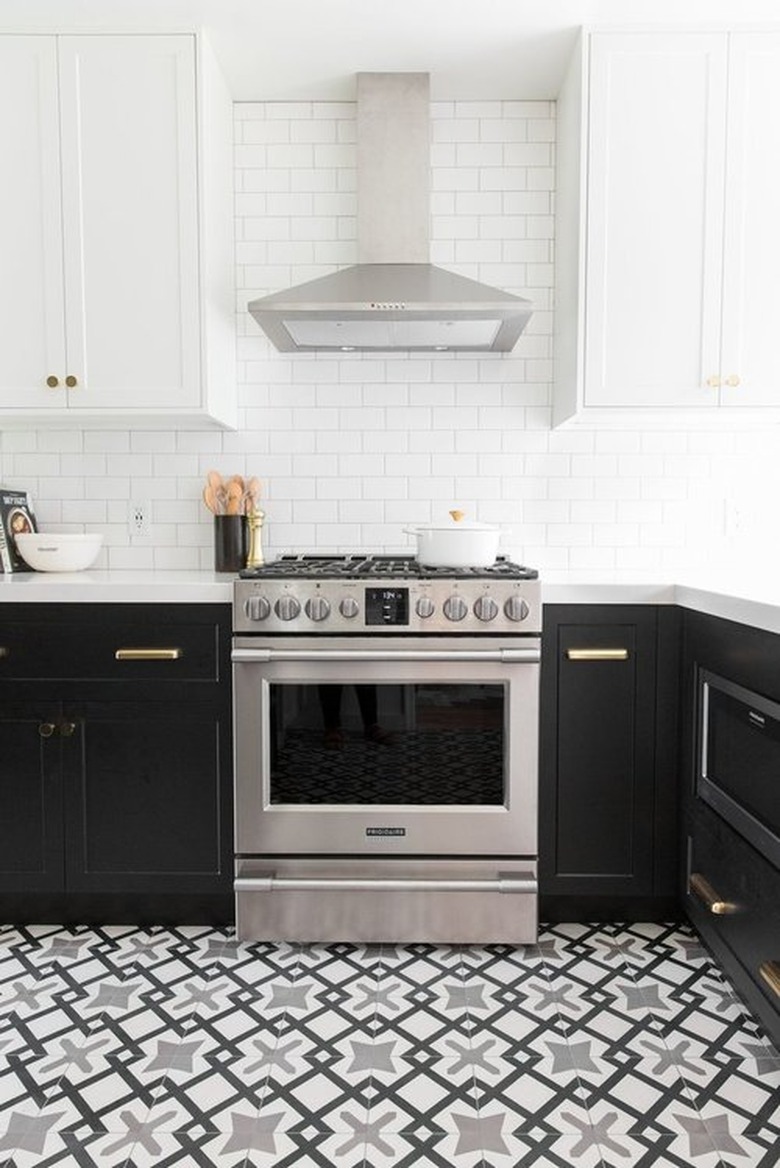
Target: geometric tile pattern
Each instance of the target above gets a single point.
(597, 1047)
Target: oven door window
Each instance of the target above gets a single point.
(371, 744)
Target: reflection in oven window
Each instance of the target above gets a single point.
(388, 744)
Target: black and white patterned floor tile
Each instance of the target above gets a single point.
(596, 1048)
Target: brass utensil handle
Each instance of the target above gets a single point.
(704, 892)
(597, 654)
(770, 972)
(148, 654)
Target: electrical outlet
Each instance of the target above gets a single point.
(138, 518)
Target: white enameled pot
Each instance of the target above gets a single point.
(456, 545)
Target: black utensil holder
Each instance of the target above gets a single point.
(231, 542)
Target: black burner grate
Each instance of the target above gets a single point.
(398, 567)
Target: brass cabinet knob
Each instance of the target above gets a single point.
(67, 729)
(46, 729)
(71, 381)
(52, 381)
(732, 380)
(713, 382)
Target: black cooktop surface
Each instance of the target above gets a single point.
(395, 567)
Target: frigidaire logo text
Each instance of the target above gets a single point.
(385, 831)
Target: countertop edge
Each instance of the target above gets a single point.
(193, 587)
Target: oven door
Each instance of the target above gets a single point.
(364, 747)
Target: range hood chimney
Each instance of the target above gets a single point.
(393, 298)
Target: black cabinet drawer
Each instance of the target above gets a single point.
(131, 649)
(734, 894)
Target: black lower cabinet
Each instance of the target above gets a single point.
(116, 775)
(608, 762)
(31, 811)
(730, 806)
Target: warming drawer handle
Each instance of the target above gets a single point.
(528, 656)
(148, 654)
(703, 891)
(316, 884)
(597, 654)
(770, 972)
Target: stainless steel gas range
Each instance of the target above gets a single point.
(386, 738)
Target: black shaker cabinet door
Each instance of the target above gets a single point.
(606, 791)
(31, 852)
(145, 809)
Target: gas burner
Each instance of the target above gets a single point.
(387, 567)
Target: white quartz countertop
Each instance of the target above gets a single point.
(752, 600)
(118, 587)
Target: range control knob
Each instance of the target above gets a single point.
(516, 608)
(425, 607)
(256, 608)
(349, 607)
(455, 608)
(485, 608)
(287, 608)
(317, 609)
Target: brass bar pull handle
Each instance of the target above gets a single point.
(703, 891)
(5, 651)
(597, 654)
(770, 972)
(148, 654)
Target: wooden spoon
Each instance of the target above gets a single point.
(251, 495)
(217, 485)
(235, 495)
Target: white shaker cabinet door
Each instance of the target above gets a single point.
(750, 355)
(655, 204)
(130, 214)
(32, 329)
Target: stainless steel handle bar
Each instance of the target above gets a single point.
(291, 883)
(528, 656)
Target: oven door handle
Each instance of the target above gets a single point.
(524, 884)
(528, 656)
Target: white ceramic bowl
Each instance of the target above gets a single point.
(56, 552)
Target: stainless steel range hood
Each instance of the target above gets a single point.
(393, 298)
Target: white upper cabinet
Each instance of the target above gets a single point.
(667, 240)
(114, 227)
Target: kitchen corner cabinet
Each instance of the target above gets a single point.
(608, 762)
(116, 232)
(115, 762)
(667, 233)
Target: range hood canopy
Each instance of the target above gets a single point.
(394, 298)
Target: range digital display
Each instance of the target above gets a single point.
(387, 606)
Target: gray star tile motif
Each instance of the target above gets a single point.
(598, 1046)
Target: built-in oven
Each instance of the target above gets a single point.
(385, 774)
(739, 754)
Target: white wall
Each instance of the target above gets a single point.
(352, 449)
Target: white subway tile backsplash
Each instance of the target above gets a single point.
(352, 449)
